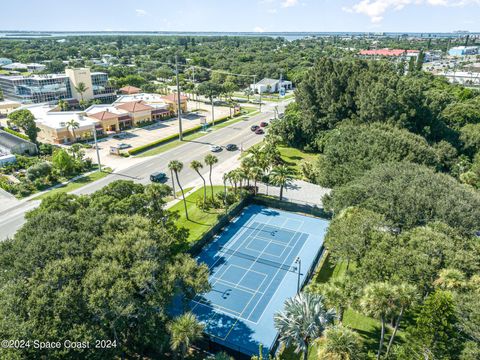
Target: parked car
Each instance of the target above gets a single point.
(158, 177)
(120, 136)
(263, 124)
(215, 148)
(231, 147)
(122, 146)
(259, 131)
(254, 127)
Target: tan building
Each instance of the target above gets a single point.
(172, 101)
(78, 76)
(138, 111)
(8, 106)
(129, 90)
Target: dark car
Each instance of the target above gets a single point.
(263, 124)
(259, 131)
(231, 147)
(254, 127)
(158, 177)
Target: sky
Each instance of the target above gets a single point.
(242, 15)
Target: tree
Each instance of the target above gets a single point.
(450, 279)
(340, 343)
(435, 326)
(211, 160)
(339, 293)
(256, 173)
(378, 301)
(62, 162)
(405, 296)
(63, 105)
(72, 125)
(303, 319)
(281, 176)
(197, 165)
(176, 166)
(184, 331)
(211, 90)
(25, 120)
(399, 191)
(81, 88)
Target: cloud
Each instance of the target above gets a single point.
(140, 12)
(289, 3)
(259, 29)
(376, 9)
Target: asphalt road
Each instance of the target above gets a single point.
(239, 133)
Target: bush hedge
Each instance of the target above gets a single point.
(154, 144)
(13, 132)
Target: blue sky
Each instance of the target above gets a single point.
(242, 15)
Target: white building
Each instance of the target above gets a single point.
(32, 67)
(271, 85)
(468, 79)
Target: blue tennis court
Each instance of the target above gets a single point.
(253, 270)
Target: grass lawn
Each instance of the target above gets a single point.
(368, 328)
(293, 158)
(200, 221)
(178, 193)
(73, 185)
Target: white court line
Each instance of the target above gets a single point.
(236, 286)
(280, 285)
(271, 281)
(242, 268)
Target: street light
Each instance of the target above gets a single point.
(96, 147)
(299, 262)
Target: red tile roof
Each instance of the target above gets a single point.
(130, 90)
(173, 98)
(383, 52)
(104, 115)
(134, 106)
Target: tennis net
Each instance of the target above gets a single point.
(256, 259)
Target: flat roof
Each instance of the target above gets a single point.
(44, 115)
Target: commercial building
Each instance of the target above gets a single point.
(56, 127)
(32, 67)
(8, 106)
(172, 101)
(5, 61)
(129, 90)
(12, 144)
(468, 79)
(271, 85)
(53, 87)
(463, 50)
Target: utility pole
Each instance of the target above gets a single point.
(96, 147)
(299, 262)
(179, 109)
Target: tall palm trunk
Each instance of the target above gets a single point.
(210, 179)
(204, 187)
(255, 187)
(382, 336)
(213, 111)
(183, 194)
(281, 192)
(397, 324)
(173, 184)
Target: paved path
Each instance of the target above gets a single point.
(299, 191)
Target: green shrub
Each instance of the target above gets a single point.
(13, 132)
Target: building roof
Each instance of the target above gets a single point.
(15, 65)
(267, 81)
(134, 106)
(130, 90)
(384, 52)
(173, 98)
(104, 115)
(9, 141)
(46, 115)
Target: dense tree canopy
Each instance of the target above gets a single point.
(352, 149)
(409, 195)
(105, 266)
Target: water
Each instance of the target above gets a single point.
(287, 35)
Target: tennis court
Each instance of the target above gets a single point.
(253, 269)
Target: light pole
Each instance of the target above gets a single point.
(96, 147)
(179, 109)
(299, 262)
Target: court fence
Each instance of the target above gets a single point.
(291, 205)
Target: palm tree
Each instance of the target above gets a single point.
(340, 343)
(405, 296)
(281, 176)
(176, 166)
(184, 330)
(256, 173)
(378, 301)
(197, 165)
(450, 279)
(225, 178)
(211, 160)
(81, 88)
(303, 319)
(338, 293)
(248, 92)
(63, 105)
(72, 124)
(236, 177)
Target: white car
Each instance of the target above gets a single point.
(215, 148)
